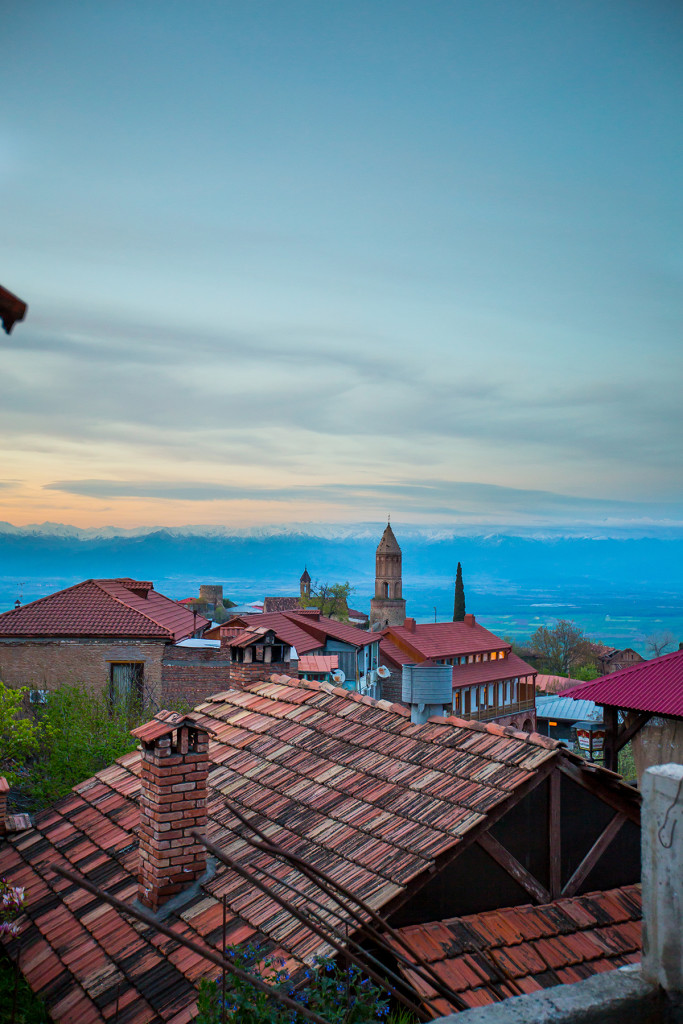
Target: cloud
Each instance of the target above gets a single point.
(436, 497)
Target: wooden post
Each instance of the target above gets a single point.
(662, 852)
(611, 720)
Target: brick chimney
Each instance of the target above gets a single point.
(4, 790)
(173, 789)
(409, 624)
(470, 620)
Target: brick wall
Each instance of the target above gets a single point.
(193, 673)
(45, 665)
(247, 672)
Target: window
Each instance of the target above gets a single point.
(507, 691)
(470, 659)
(494, 655)
(485, 656)
(490, 701)
(126, 681)
(500, 695)
(477, 657)
(501, 654)
(482, 696)
(473, 698)
(456, 701)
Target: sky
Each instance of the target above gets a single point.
(304, 262)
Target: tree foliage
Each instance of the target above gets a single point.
(331, 598)
(19, 736)
(562, 647)
(459, 601)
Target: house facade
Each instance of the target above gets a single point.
(490, 683)
(110, 635)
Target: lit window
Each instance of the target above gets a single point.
(501, 654)
(477, 657)
(494, 655)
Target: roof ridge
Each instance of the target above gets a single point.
(47, 597)
(131, 607)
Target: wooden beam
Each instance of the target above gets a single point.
(613, 795)
(594, 854)
(513, 867)
(627, 733)
(555, 835)
(488, 819)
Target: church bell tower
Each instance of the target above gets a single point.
(388, 608)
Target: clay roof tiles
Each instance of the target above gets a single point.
(490, 956)
(96, 608)
(346, 781)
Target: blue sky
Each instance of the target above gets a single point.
(310, 261)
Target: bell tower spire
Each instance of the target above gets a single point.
(388, 607)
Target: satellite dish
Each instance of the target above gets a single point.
(383, 672)
(338, 677)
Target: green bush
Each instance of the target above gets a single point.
(19, 736)
(342, 995)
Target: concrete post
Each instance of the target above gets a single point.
(662, 852)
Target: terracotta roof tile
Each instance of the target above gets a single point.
(97, 608)
(487, 957)
(348, 782)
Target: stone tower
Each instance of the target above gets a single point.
(387, 608)
(305, 584)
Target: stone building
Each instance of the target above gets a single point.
(387, 607)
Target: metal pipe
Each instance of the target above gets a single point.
(225, 858)
(204, 951)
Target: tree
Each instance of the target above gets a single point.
(659, 643)
(562, 647)
(459, 602)
(331, 598)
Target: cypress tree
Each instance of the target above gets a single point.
(459, 603)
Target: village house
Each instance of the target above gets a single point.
(110, 635)
(489, 682)
(426, 823)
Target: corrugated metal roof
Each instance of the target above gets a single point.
(103, 608)
(445, 639)
(554, 706)
(491, 671)
(655, 686)
(489, 957)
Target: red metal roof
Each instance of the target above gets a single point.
(96, 608)
(491, 671)
(344, 780)
(446, 639)
(488, 957)
(655, 686)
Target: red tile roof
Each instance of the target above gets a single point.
(488, 957)
(655, 686)
(280, 604)
(318, 662)
(103, 608)
(554, 684)
(445, 639)
(346, 781)
(307, 630)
